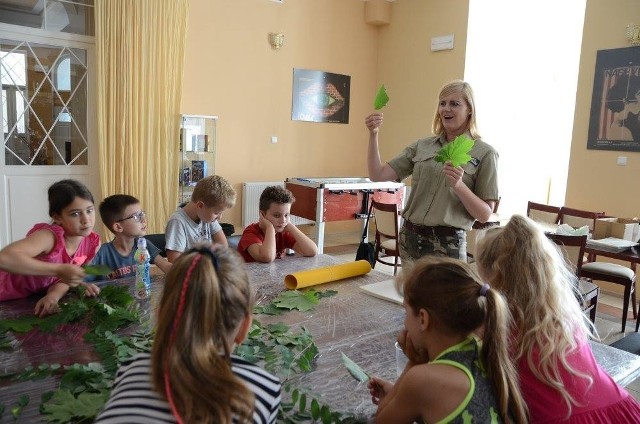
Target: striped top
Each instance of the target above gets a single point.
(134, 400)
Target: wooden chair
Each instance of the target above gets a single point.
(545, 214)
(387, 233)
(603, 271)
(572, 248)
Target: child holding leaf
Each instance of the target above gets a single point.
(50, 258)
(450, 377)
(454, 176)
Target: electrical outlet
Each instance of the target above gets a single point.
(622, 160)
(274, 139)
(278, 1)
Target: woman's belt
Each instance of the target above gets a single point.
(427, 230)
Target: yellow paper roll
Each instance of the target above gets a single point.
(313, 277)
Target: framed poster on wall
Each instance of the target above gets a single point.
(320, 96)
(614, 123)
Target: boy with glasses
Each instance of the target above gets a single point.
(125, 218)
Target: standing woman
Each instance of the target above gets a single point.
(445, 200)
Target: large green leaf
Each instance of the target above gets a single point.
(456, 151)
(98, 270)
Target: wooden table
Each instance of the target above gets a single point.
(361, 326)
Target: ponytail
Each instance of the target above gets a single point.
(460, 303)
(497, 360)
(206, 296)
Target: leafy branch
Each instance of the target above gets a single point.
(293, 299)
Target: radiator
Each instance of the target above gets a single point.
(251, 200)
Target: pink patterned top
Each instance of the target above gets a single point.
(15, 286)
(602, 401)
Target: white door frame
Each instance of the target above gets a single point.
(23, 189)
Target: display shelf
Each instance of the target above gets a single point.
(197, 152)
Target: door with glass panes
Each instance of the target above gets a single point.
(47, 110)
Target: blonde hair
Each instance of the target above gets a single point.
(213, 191)
(530, 270)
(206, 296)
(459, 303)
(461, 87)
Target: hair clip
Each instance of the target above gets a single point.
(210, 253)
(484, 289)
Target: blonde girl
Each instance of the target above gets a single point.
(191, 375)
(449, 377)
(559, 376)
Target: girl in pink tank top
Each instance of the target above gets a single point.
(50, 258)
(561, 381)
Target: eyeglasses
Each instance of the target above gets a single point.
(137, 217)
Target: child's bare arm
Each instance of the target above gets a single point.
(19, 258)
(304, 245)
(265, 251)
(173, 255)
(220, 238)
(49, 303)
(162, 263)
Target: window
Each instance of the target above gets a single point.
(44, 104)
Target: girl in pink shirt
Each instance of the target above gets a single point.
(51, 255)
(561, 381)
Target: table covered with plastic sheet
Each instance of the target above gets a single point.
(351, 322)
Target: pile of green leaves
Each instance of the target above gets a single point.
(282, 351)
(84, 388)
(293, 299)
(305, 408)
(456, 151)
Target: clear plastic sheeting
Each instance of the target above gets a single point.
(362, 326)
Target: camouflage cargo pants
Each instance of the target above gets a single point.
(414, 246)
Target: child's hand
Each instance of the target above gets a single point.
(47, 305)
(91, 290)
(265, 224)
(290, 226)
(379, 389)
(70, 274)
(416, 356)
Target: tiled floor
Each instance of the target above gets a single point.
(608, 320)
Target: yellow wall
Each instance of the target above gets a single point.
(231, 71)
(411, 72)
(595, 182)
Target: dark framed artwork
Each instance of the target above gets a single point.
(320, 96)
(614, 122)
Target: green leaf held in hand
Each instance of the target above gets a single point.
(100, 270)
(381, 98)
(354, 369)
(456, 151)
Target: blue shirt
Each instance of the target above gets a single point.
(122, 266)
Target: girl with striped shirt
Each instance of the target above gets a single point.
(191, 375)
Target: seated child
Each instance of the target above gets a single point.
(267, 239)
(191, 375)
(450, 376)
(124, 217)
(197, 221)
(51, 256)
(560, 379)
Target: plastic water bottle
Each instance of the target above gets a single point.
(143, 278)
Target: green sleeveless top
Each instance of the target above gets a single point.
(479, 405)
